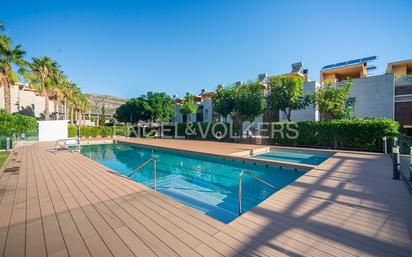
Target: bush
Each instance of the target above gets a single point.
(103, 131)
(362, 134)
(17, 123)
(202, 127)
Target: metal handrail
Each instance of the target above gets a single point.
(144, 164)
(240, 186)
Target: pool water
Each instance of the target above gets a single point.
(295, 156)
(206, 183)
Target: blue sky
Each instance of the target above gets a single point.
(126, 48)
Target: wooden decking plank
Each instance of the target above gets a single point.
(337, 235)
(168, 216)
(55, 243)
(16, 238)
(35, 241)
(7, 203)
(93, 240)
(180, 246)
(390, 222)
(281, 238)
(349, 221)
(104, 204)
(111, 239)
(123, 184)
(74, 241)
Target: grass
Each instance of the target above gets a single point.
(3, 157)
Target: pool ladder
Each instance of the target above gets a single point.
(240, 187)
(144, 164)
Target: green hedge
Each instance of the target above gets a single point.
(17, 123)
(196, 129)
(103, 131)
(362, 134)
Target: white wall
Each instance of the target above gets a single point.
(309, 113)
(374, 96)
(53, 130)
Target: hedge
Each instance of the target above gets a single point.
(362, 134)
(17, 123)
(103, 131)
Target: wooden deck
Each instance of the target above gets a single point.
(64, 204)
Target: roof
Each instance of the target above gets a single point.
(349, 63)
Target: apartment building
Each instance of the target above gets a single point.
(28, 101)
(204, 111)
(387, 95)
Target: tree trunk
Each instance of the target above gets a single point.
(4, 81)
(56, 109)
(46, 107)
(288, 115)
(7, 97)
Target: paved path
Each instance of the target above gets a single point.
(64, 204)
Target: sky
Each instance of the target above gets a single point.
(126, 48)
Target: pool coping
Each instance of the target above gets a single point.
(241, 156)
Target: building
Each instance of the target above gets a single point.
(204, 111)
(387, 95)
(29, 102)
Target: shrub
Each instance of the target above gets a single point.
(362, 134)
(103, 131)
(17, 123)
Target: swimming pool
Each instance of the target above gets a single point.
(295, 156)
(206, 183)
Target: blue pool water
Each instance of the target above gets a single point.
(209, 184)
(295, 156)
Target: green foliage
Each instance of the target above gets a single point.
(3, 157)
(103, 119)
(188, 105)
(133, 110)
(102, 131)
(333, 100)
(161, 106)
(224, 100)
(362, 134)
(17, 123)
(286, 94)
(155, 106)
(201, 127)
(249, 102)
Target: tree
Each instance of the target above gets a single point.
(103, 119)
(188, 105)
(10, 56)
(43, 75)
(249, 101)
(224, 100)
(133, 110)
(286, 94)
(333, 100)
(161, 106)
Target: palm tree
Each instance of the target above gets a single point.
(9, 56)
(43, 75)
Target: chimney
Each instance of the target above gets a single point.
(239, 83)
(306, 74)
(204, 90)
(262, 76)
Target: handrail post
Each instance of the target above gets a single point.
(240, 193)
(154, 174)
(240, 187)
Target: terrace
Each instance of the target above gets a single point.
(65, 204)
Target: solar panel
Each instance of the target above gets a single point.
(354, 61)
(370, 58)
(327, 66)
(350, 62)
(340, 64)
